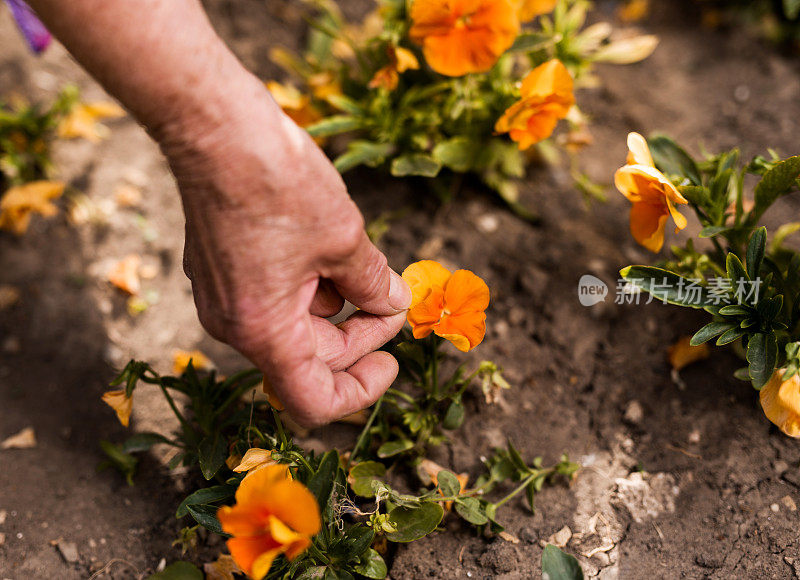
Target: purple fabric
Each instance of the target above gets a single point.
(32, 28)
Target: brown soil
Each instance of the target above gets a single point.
(720, 485)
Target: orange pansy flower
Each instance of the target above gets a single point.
(529, 9)
(181, 358)
(682, 353)
(653, 196)
(463, 36)
(781, 402)
(400, 60)
(449, 305)
(545, 98)
(294, 103)
(121, 403)
(273, 515)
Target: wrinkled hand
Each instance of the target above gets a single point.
(273, 245)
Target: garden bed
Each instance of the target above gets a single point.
(722, 484)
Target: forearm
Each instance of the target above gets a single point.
(160, 58)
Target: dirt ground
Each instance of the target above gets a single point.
(681, 479)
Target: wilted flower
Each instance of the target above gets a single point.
(18, 203)
(400, 60)
(273, 515)
(253, 460)
(84, 121)
(781, 402)
(683, 353)
(121, 403)
(653, 196)
(449, 305)
(463, 36)
(125, 274)
(546, 97)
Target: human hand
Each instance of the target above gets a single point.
(273, 245)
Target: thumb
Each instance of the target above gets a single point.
(365, 279)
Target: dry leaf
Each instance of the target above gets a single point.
(127, 195)
(223, 569)
(682, 353)
(25, 439)
(19, 203)
(83, 121)
(125, 274)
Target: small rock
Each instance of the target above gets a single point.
(709, 560)
(3, 515)
(694, 436)
(12, 345)
(517, 316)
(501, 328)
(560, 539)
(2, 538)
(741, 93)
(487, 223)
(430, 248)
(792, 476)
(780, 466)
(509, 537)
(69, 551)
(775, 508)
(9, 295)
(634, 413)
(789, 503)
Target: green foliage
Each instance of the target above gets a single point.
(423, 123)
(777, 20)
(558, 565)
(750, 288)
(26, 134)
(178, 571)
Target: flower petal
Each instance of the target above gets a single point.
(647, 224)
(550, 78)
(465, 331)
(121, 404)
(780, 401)
(254, 458)
(294, 505)
(639, 151)
(253, 553)
(422, 276)
(465, 292)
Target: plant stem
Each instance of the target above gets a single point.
(522, 486)
(279, 426)
(184, 423)
(363, 435)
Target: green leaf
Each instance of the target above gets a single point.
(205, 496)
(361, 152)
(458, 153)
(123, 462)
(313, 573)
(791, 8)
(782, 233)
(530, 495)
(143, 442)
(321, 483)
(448, 483)
(178, 571)
(531, 41)
(206, 516)
(469, 508)
(392, 448)
(345, 104)
(212, 452)
(696, 194)
(711, 231)
(454, 416)
(762, 354)
(670, 158)
(355, 542)
(668, 286)
(335, 125)
(735, 269)
(558, 565)
(731, 335)
(363, 474)
(755, 252)
(415, 164)
(413, 523)
(372, 565)
(775, 183)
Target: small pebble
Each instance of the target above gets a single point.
(69, 551)
(694, 436)
(789, 503)
(775, 508)
(634, 413)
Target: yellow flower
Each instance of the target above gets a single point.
(294, 103)
(449, 305)
(122, 404)
(253, 460)
(324, 85)
(633, 10)
(181, 358)
(529, 9)
(781, 402)
(273, 515)
(83, 121)
(18, 203)
(400, 60)
(546, 97)
(653, 196)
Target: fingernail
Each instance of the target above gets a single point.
(399, 292)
